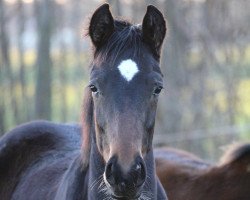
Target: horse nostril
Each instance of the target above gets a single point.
(138, 168)
(109, 174)
(141, 171)
(119, 180)
(122, 186)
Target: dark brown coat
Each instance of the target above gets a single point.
(187, 177)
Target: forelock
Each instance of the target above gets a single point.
(126, 36)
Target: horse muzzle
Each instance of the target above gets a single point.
(125, 185)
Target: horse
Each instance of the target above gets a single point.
(110, 155)
(188, 177)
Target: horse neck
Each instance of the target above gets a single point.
(73, 185)
(152, 187)
(96, 171)
(151, 183)
(82, 183)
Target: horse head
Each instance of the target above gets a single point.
(125, 82)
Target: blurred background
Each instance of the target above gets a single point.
(44, 58)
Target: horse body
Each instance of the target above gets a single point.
(39, 152)
(110, 156)
(185, 176)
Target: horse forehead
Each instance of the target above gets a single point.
(128, 69)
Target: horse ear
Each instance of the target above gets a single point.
(238, 157)
(101, 25)
(154, 29)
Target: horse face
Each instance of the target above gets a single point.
(125, 83)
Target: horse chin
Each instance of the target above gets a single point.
(126, 197)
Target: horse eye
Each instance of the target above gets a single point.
(93, 88)
(157, 90)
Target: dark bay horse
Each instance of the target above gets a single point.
(110, 155)
(187, 177)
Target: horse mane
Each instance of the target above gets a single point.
(236, 152)
(87, 126)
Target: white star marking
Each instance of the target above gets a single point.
(128, 69)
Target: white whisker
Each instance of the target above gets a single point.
(95, 182)
(146, 195)
(102, 187)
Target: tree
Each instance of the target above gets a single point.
(44, 11)
(23, 103)
(6, 71)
